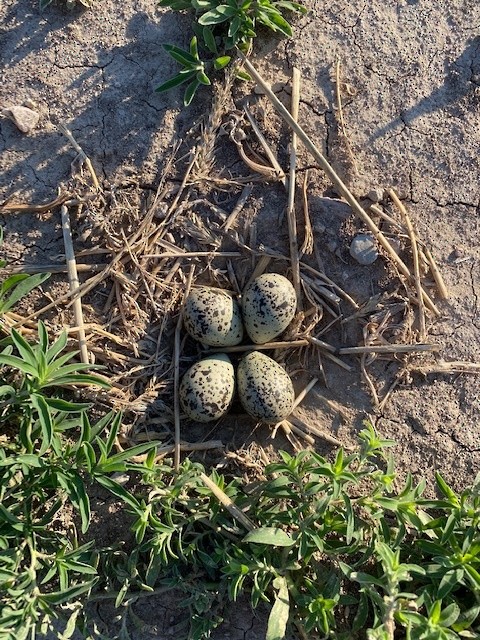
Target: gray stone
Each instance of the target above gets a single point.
(364, 249)
(375, 195)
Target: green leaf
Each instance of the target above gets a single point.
(278, 618)
(177, 80)
(67, 407)
(449, 615)
(275, 21)
(221, 62)
(67, 595)
(119, 491)
(269, 535)
(58, 346)
(24, 349)
(243, 75)
(123, 456)
(361, 615)
(194, 48)
(184, 57)
(175, 5)
(25, 284)
(7, 392)
(190, 92)
(114, 427)
(73, 485)
(75, 379)
(45, 419)
(203, 78)
(445, 489)
(234, 26)
(209, 40)
(218, 15)
(451, 580)
(291, 6)
(31, 460)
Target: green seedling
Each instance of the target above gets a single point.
(219, 29)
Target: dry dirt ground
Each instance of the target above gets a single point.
(410, 73)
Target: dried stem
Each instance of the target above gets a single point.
(389, 348)
(74, 283)
(307, 246)
(291, 217)
(83, 156)
(266, 147)
(291, 344)
(437, 276)
(416, 265)
(176, 373)
(335, 179)
(228, 503)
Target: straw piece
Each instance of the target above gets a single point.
(47, 268)
(307, 246)
(176, 373)
(304, 392)
(416, 266)
(391, 221)
(227, 503)
(262, 264)
(321, 344)
(437, 276)
(292, 344)
(74, 283)
(288, 426)
(455, 366)
(320, 434)
(291, 217)
(335, 179)
(266, 147)
(389, 348)
(34, 208)
(230, 221)
(161, 452)
(81, 153)
(193, 254)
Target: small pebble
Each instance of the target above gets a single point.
(375, 195)
(363, 249)
(25, 119)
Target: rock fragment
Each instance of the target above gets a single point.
(24, 118)
(363, 249)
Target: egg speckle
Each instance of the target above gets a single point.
(268, 305)
(213, 317)
(264, 387)
(207, 388)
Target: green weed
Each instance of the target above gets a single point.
(335, 550)
(219, 29)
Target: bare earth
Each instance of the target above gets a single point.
(410, 73)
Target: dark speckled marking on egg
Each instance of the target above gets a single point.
(207, 388)
(264, 387)
(268, 305)
(213, 317)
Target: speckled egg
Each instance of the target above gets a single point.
(264, 387)
(268, 306)
(207, 388)
(213, 317)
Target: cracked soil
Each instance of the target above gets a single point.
(411, 105)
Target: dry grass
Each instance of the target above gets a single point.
(143, 254)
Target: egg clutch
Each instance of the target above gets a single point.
(215, 319)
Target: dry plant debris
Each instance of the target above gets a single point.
(193, 229)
